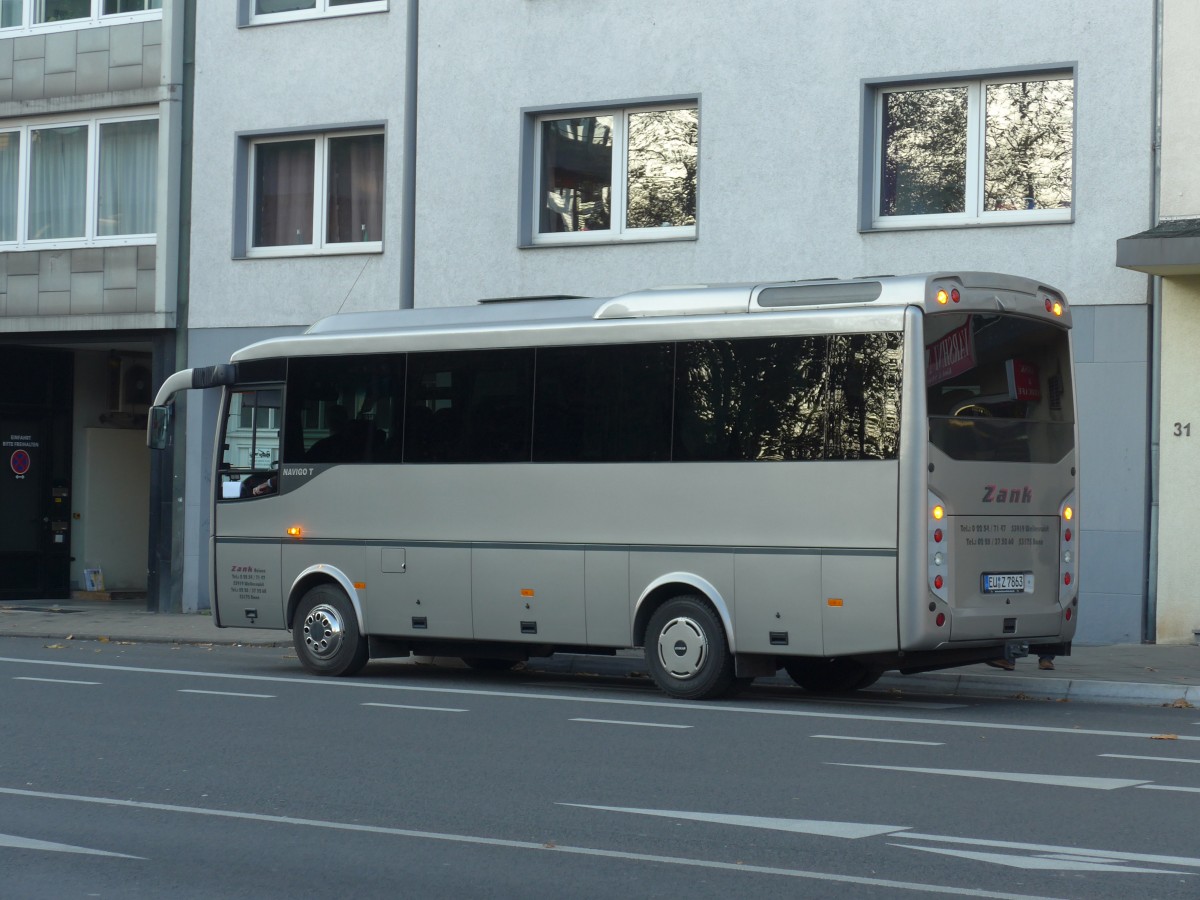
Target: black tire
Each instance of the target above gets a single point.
(488, 663)
(325, 633)
(831, 676)
(686, 650)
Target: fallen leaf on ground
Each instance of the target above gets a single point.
(55, 646)
(1181, 703)
(1165, 737)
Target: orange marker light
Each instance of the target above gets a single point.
(942, 297)
(834, 601)
(360, 585)
(295, 531)
(1058, 308)
(526, 592)
(939, 513)
(1068, 513)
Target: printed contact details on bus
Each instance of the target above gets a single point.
(1003, 534)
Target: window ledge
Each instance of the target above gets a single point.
(304, 15)
(927, 225)
(364, 249)
(605, 241)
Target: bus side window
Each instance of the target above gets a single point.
(250, 457)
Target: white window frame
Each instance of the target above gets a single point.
(90, 237)
(95, 18)
(321, 10)
(617, 232)
(973, 212)
(319, 246)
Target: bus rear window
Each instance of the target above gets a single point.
(999, 387)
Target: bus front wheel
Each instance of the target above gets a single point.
(686, 650)
(325, 633)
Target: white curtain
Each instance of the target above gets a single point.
(10, 154)
(10, 13)
(283, 193)
(61, 10)
(128, 176)
(57, 182)
(355, 191)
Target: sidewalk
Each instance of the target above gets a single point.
(1146, 674)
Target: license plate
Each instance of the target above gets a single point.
(1007, 583)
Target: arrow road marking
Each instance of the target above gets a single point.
(1043, 856)
(1041, 863)
(20, 843)
(542, 847)
(847, 737)
(1075, 781)
(851, 830)
(1150, 758)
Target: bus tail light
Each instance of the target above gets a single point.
(938, 548)
(1068, 553)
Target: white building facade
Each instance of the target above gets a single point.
(91, 126)
(382, 153)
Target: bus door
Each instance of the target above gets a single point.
(1002, 470)
(248, 533)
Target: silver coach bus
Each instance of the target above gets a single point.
(833, 477)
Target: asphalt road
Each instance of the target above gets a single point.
(131, 771)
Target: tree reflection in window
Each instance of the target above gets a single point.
(1028, 144)
(794, 398)
(662, 168)
(924, 152)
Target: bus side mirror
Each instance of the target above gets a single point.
(158, 428)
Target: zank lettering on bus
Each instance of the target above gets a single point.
(993, 494)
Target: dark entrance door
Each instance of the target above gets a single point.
(35, 453)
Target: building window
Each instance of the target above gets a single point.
(79, 183)
(610, 175)
(993, 150)
(316, 193)
(46, 14)
(265, 11)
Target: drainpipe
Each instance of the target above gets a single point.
(408, 237)
(1150, 620)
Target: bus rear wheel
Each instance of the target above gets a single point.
(831, 676)
(325, 633)
(686, 650)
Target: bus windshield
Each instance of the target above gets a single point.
(998, 388)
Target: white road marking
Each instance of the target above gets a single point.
(1072, 781)
(20, 843)
(345, 684)
(847, 737)
(848, 830)
(1040, 863)
(1102, 855)
(1167, 787)
(829, 877)
(642, 724)
(858, 830)
(424, 708)
(1151, 758)
(52, 680)
(227, 694)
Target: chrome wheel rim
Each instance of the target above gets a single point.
(682, 648)
(323, 631)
